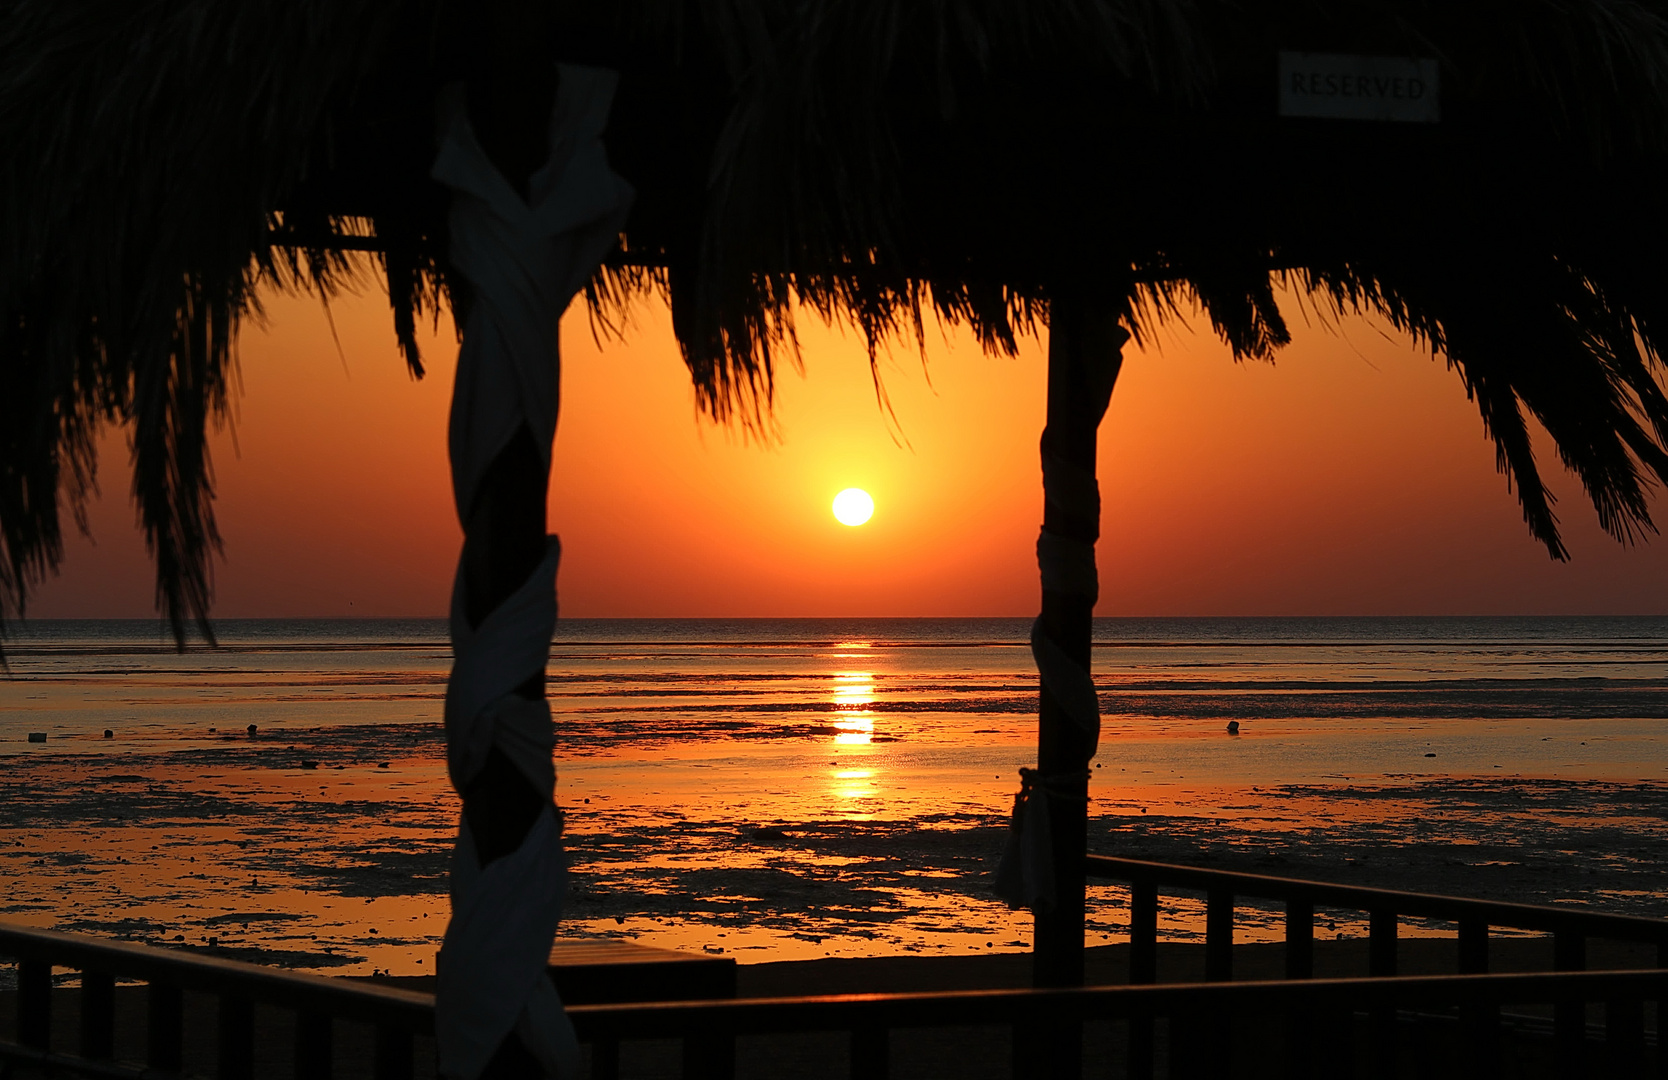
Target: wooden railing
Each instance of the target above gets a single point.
(1384, 908)
(1323, 1008)
(317, 1002)
(1320, 1011)
(1223, 889)
(1314, 1021)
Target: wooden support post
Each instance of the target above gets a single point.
(1084, 356)
(98, 1015)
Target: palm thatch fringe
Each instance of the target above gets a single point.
(866, 159)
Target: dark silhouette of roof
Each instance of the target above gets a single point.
(870, 159)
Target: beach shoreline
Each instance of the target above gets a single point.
(802, 789)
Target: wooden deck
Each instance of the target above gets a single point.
(646, 1012)
(598, 971)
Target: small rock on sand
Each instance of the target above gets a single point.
(108, 734)
(37, 736)
(309, 764)
(1233, 727)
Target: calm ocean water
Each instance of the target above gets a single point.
(781, 788)
(76, 678)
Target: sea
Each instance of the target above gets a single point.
(793, 788)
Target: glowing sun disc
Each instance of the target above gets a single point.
(853, 506)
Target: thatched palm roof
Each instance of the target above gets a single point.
(868, 158)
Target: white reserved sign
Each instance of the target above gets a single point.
(1342, 87)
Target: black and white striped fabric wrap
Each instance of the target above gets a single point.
(525, 260)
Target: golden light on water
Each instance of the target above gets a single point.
(853, 506)
(852, 691)
(855, 730)
(854, 688)
(854, 784)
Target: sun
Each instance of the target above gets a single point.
(853, 506)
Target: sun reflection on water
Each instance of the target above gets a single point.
(854, 784)
(853, 690)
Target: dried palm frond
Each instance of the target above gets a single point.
(884, 156)
(867, 159)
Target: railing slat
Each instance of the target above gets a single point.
(1569, 1018)
(709, 1056)
(1217, 1029)
(1381, 964)
(1143, 932)
(1142, 1057)
(98, 1015)
(34, 1004)
(1219, 935)
(605, 1059)
(394, 1058)
(1662, 1019)
(236, 1057)
(1300, 1039)
(1479, 1024)
(314, 1046)
(871, 1057)
(1480, 1040)
(164, 1027)
(1381, 943)
(1624, 1036)
(1569, 951)
(1300, 939)
(1143, 969)
(1473, 946)
(1333, 1045)
(1365, 898)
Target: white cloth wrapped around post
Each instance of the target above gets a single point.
(1025, 874)
(1068, 566)
(525, 260)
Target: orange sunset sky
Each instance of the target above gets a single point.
(1351, 477)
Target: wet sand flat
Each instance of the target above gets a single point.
(806, 790)
(240, 851)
